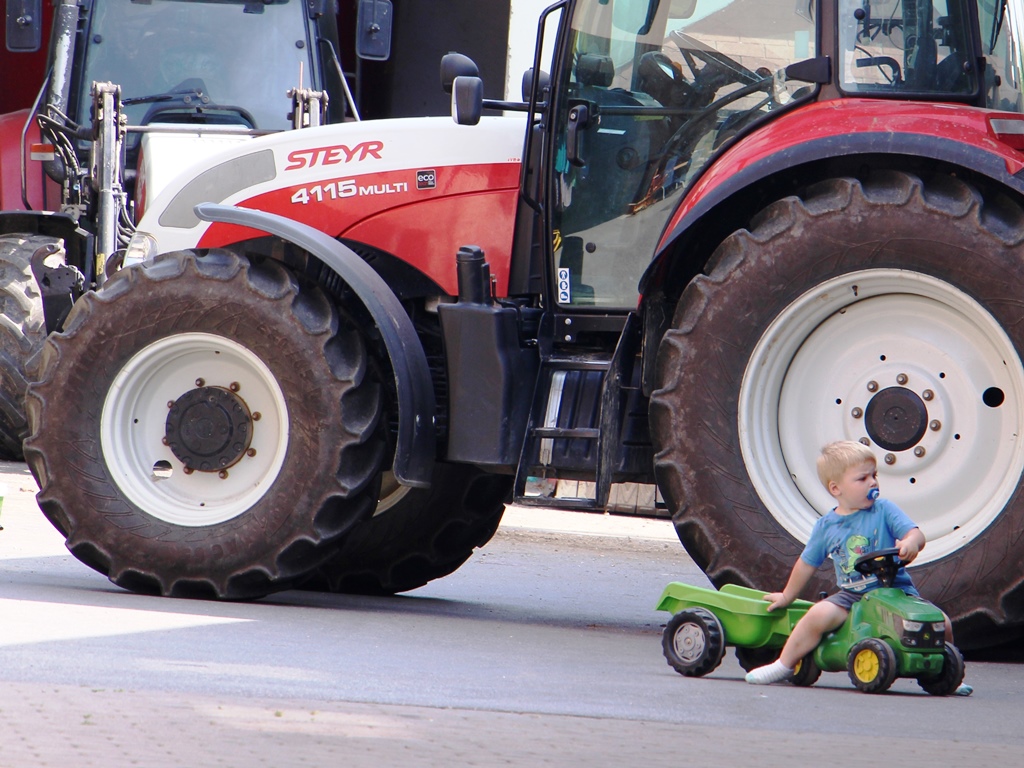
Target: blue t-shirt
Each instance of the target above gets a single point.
(844, 538)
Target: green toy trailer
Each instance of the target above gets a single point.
(888, 634)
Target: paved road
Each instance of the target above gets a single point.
(543, 650)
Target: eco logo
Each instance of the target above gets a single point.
(426, 179)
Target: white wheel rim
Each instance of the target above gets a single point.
(813, 366)
(132, 428)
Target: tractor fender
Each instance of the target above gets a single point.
(997, 162)
(415, 443)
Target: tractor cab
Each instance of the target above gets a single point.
(652, 92)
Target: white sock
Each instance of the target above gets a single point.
(775, 672)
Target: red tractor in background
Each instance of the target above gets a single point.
(736, 231)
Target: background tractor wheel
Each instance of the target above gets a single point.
(883, 310)
(22, 332)
(693, 642)
(205, 426)
(417, 534)
(872, 665)
(951, 676)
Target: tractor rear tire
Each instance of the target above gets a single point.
(837, 314)
(22, 333)
(417, 534)
(205, 426)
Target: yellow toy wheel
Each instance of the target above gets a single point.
(871, 664)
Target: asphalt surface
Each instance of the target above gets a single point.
(237, 694)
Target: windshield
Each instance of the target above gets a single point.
(901, 47)
(656, 89)
(1001, 36)
(235, 57)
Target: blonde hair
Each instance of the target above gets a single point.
(839, 456)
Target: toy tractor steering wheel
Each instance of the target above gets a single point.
(883, 563)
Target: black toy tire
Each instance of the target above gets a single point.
(752, 658)
(693, 642)
(871, 665)
(807, 672)
(947, 681)
(97, 418)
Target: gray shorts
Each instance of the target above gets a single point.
(845, 598)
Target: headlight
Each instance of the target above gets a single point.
(912, 626)
(142, 246)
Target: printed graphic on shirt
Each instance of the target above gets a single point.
(845, 554)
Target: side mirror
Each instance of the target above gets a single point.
(24, 25)
(455, 65)
(467, 100)
(543, 84)
(373, 29)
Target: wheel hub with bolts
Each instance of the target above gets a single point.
(896, 418)
(689, 642)
(197, 428)
(209, 428)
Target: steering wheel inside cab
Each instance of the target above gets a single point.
(662, 79)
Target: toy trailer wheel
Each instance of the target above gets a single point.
(872, 665)
(807, 672)
(952, 674)
(752, 658)
(694, 642)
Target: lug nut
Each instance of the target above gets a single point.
(890, 458)
(935, 425)
(223, 474)
(234, 386)
(902, 379)
(856, 413)
(188, 470)
(927, 395)
(865, 441)
(251, 452)
(872, 386)
(256, 415)
(200, 382)
(919, 451)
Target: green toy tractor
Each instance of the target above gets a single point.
(888, 634)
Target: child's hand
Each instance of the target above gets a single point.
(908, 548)
(777, 600)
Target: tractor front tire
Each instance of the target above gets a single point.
(884, 310)
(22, 333)
(417, 534)
(205, 426)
